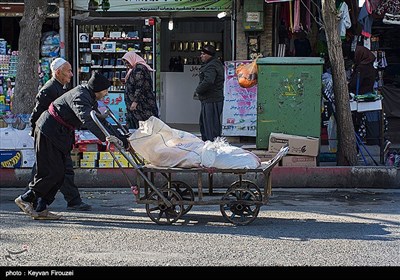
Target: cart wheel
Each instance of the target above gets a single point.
(161, 213)
(184, 190)
(249, 185)
(242, 208)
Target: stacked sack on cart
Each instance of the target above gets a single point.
(164, 146)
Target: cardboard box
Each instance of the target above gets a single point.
(10, 159)
(299, 161)
(17, 159)
(28, 158)
(90, 156)
(298, 145)
(123, 161)
(264, 155)
(106, 163)
(88, 147)
(14, 139)
(88, 164)
(105, 156)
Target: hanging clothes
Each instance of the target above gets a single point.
(296, 17)
(290, 16)
(372, 5)
(366, 20)
(388, 6)
(345, 21)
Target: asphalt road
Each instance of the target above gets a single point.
(298, 227)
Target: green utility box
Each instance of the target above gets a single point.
(288, 97)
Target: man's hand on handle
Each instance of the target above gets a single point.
(120, 144)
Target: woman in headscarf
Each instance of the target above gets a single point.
(140, 98)
(364, 71)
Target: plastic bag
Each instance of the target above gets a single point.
(220, 154)
(247, 74)
(163, 146)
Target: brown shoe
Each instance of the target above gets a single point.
(46, 215)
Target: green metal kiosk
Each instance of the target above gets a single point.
(288, 97)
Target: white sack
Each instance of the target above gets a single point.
(219, 154)
(163, 146)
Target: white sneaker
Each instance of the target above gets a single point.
(25, 206)
(46, 215)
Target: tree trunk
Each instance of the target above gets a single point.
(347, 152)
(27, 79)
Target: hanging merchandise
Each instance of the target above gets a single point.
(391, 19)
(50, 44)
(50, 49)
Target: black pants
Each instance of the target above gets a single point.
(68, 188)
(210, 120)
(50, 169)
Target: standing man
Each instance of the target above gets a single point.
(54, 138)
(210, 92)
(54, 88)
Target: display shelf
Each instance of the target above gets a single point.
(101, 47)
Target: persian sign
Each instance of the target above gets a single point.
(239, 117)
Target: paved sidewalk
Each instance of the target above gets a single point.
(297, 227)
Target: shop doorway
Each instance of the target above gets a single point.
(179, 54)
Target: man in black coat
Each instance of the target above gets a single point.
(210, 92)
(54, 138)
(54, 88)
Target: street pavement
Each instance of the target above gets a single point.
(310, 227)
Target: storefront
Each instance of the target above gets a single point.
(10, 15)
(167, 34)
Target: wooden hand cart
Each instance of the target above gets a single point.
(165, 204)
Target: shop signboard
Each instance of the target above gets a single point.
(160, 6)
(239, 117)
(115, 101)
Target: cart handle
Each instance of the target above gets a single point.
(95, 118)
(282, 152)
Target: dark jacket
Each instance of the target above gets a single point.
(74, 108)
(47, 94)
(363, 59)
(139, 88)
(211, 85)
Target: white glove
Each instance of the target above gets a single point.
(113, 139)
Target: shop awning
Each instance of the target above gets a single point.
(160, 6)
(277, 1)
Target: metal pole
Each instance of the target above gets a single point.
(233, 29)
(61, 21)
